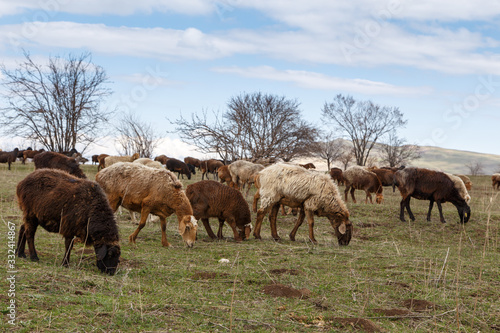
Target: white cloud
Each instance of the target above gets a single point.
(313, 80)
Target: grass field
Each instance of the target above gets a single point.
(393, 277)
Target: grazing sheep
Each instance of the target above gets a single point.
(435, 186)
(178, 166)
(110, 160)
(149, 191)
(101, 159)
(466, 180)
(385, 174)
(313, 192)
(149, 162)
(495, 181)
(71, 206)
(53, 160)
(162, 159)
(359, 178)
(244, 172)
(212, 199)
(225, 175)
(9, 157)
(336, 174)
(193, 161)
(30, 154)
(210, 166)
(94, 159)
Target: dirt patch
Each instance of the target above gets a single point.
(281, 271)
(357, 324)
(419, 305)
(208, 275)
(393, 312)
(279, 290)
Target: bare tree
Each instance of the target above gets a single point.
(363, 121)
(346, 157)
(330, 149)
(135, 136)
(254, 126)
(58, 105)
(475, 168)
(396, 152)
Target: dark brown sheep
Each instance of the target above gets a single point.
(308, 166)
(213, 199)
(71, 206)
(101, 159)
(178, 166)
(336, 174)
(210, 166)
(385, 174)
(53, 160)
(9, 157)
(495, 181)
(95, 159)
(435, 186)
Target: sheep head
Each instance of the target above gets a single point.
(379, 198)
(187, 229)
(463, 213)
(108, 256)
(343, 228)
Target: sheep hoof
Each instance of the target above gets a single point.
(443, 221)
(34, 259)
(165, 244)
(131, 239)
(292, 238)
(257, 236)
(277, 238)
(21, 255)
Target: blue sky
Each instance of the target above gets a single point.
(439, 62)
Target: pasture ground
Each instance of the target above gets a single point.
(393, 277)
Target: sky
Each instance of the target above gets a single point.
(438, 62)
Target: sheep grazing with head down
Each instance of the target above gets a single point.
(71, 206)
(213, 199)
(53, 160)
(336, 174)
(225, 175)
(149, 191)
(313, 192)
(149, 162)
(210, 166)
(359, 178)
(435, 186)
(495, 181)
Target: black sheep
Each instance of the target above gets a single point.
(9, 157)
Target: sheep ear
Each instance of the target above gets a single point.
(101, 252)
(342, 228)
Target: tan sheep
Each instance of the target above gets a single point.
(467, 181)
(149, 162)
(147, 190)
(359, 178)
(244, 172)
(110, 160)
(313, 192)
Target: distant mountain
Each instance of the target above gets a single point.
(454, 161)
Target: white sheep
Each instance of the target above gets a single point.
(110, 160)
(147, 190)
(244, 172)
(149, 162)
(359, 178)
(314, 192)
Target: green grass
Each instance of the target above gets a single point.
(452, 268)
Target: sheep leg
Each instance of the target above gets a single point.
(30, 230)
(299, 222)
(68, 244)
(352, 194)
(255, 201)
(221, 225)
(142, 223)
(346, 190)
(261, 213)
(431, 204)
(21, 243)
(440, 211)
(232, 224)
(368, 196)
(209, 230)
(273, 216)
(406, 203)
(310, 220)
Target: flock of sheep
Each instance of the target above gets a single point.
(59, 197)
